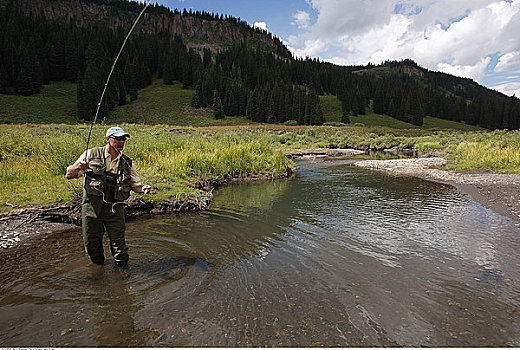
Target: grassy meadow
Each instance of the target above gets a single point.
(55, 104)
(175, 146)
(33, 159)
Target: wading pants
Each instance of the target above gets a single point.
(97, 217)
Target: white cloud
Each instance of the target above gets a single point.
(457, 37)
(476, 71)
(302, 19)
(508, 61)
(508, 88)
(260, 25)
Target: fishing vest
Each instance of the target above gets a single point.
(115, 187)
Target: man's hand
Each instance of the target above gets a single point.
(73, 171)
(142, 189)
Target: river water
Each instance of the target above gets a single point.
(335, 256)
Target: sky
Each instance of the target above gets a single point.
(477, 39)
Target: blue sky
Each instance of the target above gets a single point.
(276, 14)
(477, 39)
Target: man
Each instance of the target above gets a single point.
(109, 177)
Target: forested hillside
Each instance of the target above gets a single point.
(231, 66)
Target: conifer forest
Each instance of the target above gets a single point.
(253, 77)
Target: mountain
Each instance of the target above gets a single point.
(223, 59)
(199, 29)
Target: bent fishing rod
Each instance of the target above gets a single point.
(110, 74)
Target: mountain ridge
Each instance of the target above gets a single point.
(251, 71)
(201, 26)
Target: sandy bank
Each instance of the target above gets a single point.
(498, 192)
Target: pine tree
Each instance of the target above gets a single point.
(122, 94)
(168, 73)
(56, 57)
(29, 79)
(218, 108)
(5, 83)
(242, 101)
(250, 106)
(345, 118)
(71, 59)
(130, 80)
(379, 99)
(92, 84)
(270, 113)
(360, 102)
(320, 119)
(196, 101)
(301, 106)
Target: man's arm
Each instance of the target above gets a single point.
(77, 169)
(135, 182)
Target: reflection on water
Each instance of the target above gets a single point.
(336, 256)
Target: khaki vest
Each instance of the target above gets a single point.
(96, 183)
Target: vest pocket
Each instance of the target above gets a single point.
(94, 186)
(123, 187)
(123, 192)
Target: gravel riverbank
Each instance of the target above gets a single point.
(498, 192)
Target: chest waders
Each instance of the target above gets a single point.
(103, 208)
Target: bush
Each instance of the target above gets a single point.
(334, 124)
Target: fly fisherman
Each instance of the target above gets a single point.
(109, 177)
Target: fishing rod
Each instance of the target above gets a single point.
(110, 75)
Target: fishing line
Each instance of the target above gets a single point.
(110, 74)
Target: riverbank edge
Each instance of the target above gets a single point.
(19, 226)
(497, 192)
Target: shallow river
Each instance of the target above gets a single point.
(335, 256)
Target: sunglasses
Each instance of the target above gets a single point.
(119, 138)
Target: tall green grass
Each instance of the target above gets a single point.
(34, 159)
(498, 150)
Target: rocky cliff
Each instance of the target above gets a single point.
(198, 32)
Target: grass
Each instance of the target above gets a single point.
(169, 104)
(498, 151)
(34, 159)
(175, 146)
(443, 124)
(331, 107)
(56, 104)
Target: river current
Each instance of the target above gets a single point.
(334, 256)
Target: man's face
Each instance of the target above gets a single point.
(117, 143)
